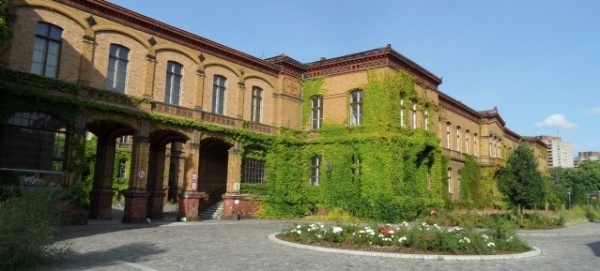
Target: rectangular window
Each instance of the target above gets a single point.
(356, 100)
(117, 68)
(254, 171)
(448, 136)
(450, 181)
(401, 112)
(413, 115)
(457, 138)
(426, 119)
(467, 142)
(218, 103)
(256, 103)
(46, 50)
(173, 82)
(475, 150)
(315, 170)
(316, 112)
(122, 168)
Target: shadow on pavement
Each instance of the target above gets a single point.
(595, 247)
(103, 259)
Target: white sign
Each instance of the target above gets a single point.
(236, 186)
(194, 176)
(141, 174)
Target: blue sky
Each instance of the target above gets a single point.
(537, 61)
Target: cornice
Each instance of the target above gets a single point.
(153, 27)
(457, 107)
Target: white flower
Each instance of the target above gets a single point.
(490, 244)
(380, 235)
(319, 236)
(437, 227)
(336, 230)
(404, 224)
(485, 237)
(509, 239)
(465, 240)
(402, 239)
(391, 232)
(299, 227)
(424, 224)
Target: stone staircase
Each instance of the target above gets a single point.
(214, 211)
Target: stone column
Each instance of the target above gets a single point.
(101, 195)
(234, 169)
(189, 199)
(156, 186)
(136, 198)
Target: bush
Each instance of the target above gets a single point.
(592, 214)
(28, 218)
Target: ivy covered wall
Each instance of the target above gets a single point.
(378, 170)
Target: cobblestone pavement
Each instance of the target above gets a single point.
(243, 245)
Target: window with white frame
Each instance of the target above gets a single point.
(475, 148)
(122, 168)
(316, 112)
(173, 82)
(218, 102)
(315, 175)
(448, 135)
(46, 50)
(356, 107)
(490, 146)
(458, 138)
(402, 111)
(256, 104)
(426, 119)
(413, 115)
(450, 180)
(116, 77)
(467, 145)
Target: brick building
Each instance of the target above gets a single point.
(191, 105)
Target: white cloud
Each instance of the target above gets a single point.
(594, 111)
(557, 120)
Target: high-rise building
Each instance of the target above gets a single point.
(560, 154)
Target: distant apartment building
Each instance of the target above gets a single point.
(587, 156)
(560, 154)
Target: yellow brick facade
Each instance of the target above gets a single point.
(89, 31)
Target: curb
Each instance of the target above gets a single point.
(533, 253)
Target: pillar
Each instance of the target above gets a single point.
(87, 51)
(240, 102)
(200, 81)
(189, 199)
(156, 186)
(234, 169)
(136, 198)
(101, 195)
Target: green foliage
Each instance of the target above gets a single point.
(472, 187)
(520, 180)
(583, 181)
(310, 88)
(27, 224)
(376, 171)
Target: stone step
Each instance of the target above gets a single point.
(214, 211)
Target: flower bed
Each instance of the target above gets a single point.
(404, 238)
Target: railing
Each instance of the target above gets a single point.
(221, 119)
(173, 110)
(490, 161)
(263, 128)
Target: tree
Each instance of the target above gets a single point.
(520, 179)
(4, 33)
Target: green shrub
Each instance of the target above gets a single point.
(28, 219)
(592, 214)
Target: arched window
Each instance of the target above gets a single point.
(256, 104)
(448, 135)
(450, 181)
(467, 147)
(475, 148)
(218, 102)
(34, 141)
(458, 138)
(46, 50)
(116, 76)
(356, 107)
(173, 82)
(316, 112)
